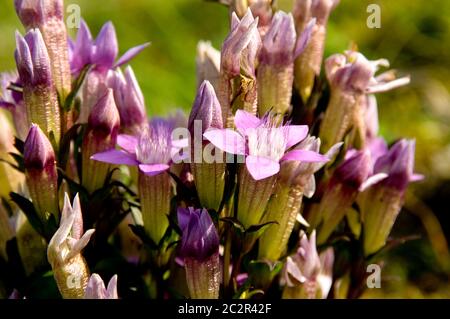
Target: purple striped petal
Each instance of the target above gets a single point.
(295, 134)
(106, 47)
(115, 157)
(261, 167)
(153, 169)
(304, 38)
(304, 156)
(372, 180)
(227, 140)
(130, 54)
(127, 142)
(245, 120)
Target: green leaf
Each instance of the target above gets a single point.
(139, 231)
(30, 212)
(235, 223)
(258, 230)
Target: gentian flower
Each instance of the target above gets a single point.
(96, 288)
(381, 203)
(101, 53)
(39, 94)
(351, 77)
(152, 152)
(308, 275)
(13, 102)
(209, 176)
(48, 16)
(264, 145)
(129, 100)
(101, 135)
(308, 64)
(64, 251)
(276, 68)
(296, 179)
(238, 58)
(259, 8)
(41, 174)
(200, 251)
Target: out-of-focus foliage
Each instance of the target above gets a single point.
(414, 36)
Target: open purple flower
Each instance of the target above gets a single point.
(101, 52)
(263, 143)
(152, 151)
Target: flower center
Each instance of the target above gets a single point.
(154, 146)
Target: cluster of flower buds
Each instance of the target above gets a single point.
(227, 189)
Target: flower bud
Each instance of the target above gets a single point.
(101, 135)
(381, 204)
(41, 174)
(342, 190)
(276, 68)
(237, 61)
(260, 8)
(96, 288)
(64, 252)
(13, 102)
(34, 66)
(308, 64)
(130, 102)
(200, 250)
(48, 16)
(209, 176)
(307, 275)
(207, 64)
(351, 77)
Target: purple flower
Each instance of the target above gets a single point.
(129, 100)
(34, 13)
(96, 288)
(13, 102)
(152, 151)
(101, 52)
(34, 67)
(41, 174)
(306, 274)
(240, 48)
(200, 239)
(263, 144)
(353, 72)
(381, 203)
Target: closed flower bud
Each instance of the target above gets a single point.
(64, 252)
(200, 250)
(276, 68)
(40, 98)
(308, 275)
(237, 62)
(130, 102)
(101, 135)
(381, 203)
(41, 174)
(48, 16)
(96, 288)
(209, 176)
(308, 64)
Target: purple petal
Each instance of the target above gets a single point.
(295, 134)
(106, 47)
(183, 215)
(304, 156)
(245, 120)
(304, 38)
(130, 54)
(127, 142)
(227, 140)
(153, 169)
(416, 177)
(372, 180)
(261, 167)
(115, 157)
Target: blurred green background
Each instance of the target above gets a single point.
(414, 36)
